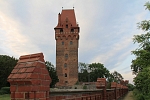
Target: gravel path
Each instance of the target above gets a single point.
(129, 96)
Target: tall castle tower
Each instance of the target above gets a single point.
(67, 37)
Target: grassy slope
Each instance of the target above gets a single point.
(5, 97)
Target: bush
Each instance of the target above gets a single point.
(84, 87)
(130, 87)
(140, 96)
(5, 90)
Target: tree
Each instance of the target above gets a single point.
(97, 70)
(83, 72)
(143, 52)
(110, 78)
(7, 64)
(142, 85)
(117, 77)
(52, 72)
(90, 72)
(130, 87)
(141, 65)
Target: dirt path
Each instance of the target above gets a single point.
(129, 96)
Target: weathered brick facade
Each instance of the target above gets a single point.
(30, 80)
(67, 36)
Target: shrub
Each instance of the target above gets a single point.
(84, 87)
(5, 90)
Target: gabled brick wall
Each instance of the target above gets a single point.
(30, 80)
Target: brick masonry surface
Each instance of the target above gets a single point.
(67, 38)
(30, 80)
(116, 92)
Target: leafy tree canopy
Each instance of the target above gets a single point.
(142, 53)
(52, 72)
(98, 71)
(7, 64)
(117, 77)
(141, 65)
(90, 72)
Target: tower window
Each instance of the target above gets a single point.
(62, 43)
(61, 30)
(72, 30)
(27, 95)
(67, 26)
(71, 42)
(66, 56)
(65, 74)
(65, 65)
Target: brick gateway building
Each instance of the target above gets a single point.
(67, 38)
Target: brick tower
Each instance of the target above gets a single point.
(67, 37)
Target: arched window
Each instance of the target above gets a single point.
(65, 74)
(66, 56)
(65, 65)
(66, 25)
(71, 42)
(72, 30)
(61, 30)
(62, 43)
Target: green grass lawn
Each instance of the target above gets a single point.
(5, 97)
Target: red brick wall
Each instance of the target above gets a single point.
(116, 92)
(67, 43)
(30, 79)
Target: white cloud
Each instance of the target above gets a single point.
(128, 76)
(12, 40)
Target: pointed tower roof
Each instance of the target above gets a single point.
(67, 14)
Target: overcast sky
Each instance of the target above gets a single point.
(106, 29)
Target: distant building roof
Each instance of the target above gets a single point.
(67, 14)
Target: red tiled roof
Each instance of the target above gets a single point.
(67, 14)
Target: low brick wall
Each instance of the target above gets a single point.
(116, 92)
(76, 94)
(87, 94)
